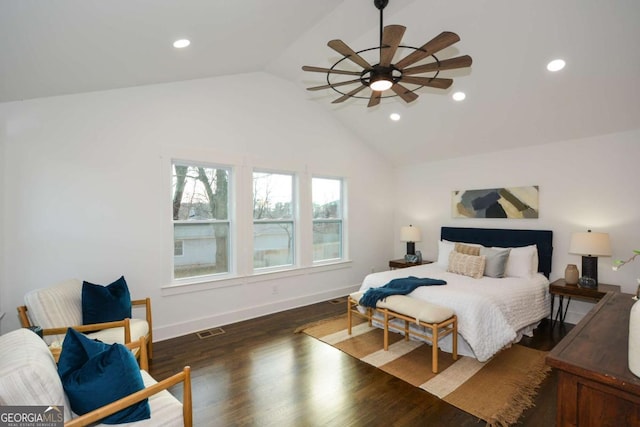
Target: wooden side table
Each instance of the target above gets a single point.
(561, 289)
(402, 263)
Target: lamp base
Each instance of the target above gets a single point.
(590, 268)
(411, 248)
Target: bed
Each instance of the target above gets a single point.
(493, 312)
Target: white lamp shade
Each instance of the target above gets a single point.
(592, 244)
(410, 234)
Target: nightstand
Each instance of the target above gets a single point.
(561, 289)
(401, 263)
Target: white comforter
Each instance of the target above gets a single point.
(492, 313)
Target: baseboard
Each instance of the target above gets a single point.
(191, 326)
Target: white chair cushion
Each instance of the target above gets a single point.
(28, 374)
(139, 328)
(54, 307)
(420, 310)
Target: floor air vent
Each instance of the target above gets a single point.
(208, 333)
(338, 301)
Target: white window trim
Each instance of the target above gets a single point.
(294, 220)
(240, 212)
(342, 219)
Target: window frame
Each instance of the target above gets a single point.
(228, 222)
(240, 218)
(294, 221)
(341, 220)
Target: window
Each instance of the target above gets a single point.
(273, 220)
(200, 220)
(327, 218)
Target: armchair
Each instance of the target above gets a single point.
(155, 391)
(60, 307)
(29, 376)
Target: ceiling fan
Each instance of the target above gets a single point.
(385, 75)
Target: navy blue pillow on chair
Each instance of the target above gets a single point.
(105, 303)
(95, 374)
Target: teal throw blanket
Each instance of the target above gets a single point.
(402, 286)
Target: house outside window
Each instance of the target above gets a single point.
(273, 220)
(200, 220)
(178, 247)
(327, 199)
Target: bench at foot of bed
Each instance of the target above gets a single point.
(442, 321)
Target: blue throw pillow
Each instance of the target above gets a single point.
(95, 374)
(105, 303)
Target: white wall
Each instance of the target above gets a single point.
(3, 166)
(584, 184)
(86, 191)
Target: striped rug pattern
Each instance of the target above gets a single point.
(496, 391)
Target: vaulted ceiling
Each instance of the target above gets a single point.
(50, 48)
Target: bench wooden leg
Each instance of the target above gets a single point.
(349, 315)
(386, 330)
(434, 349)
(455, 337)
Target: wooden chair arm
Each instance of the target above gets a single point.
(94, 327)
(147, 303)
(139, 349)
(24, 319)
(104, 411)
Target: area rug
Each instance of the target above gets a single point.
(497, 391)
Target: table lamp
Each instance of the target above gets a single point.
(590, 246)
(410, 235)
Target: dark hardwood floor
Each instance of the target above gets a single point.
(261, 373)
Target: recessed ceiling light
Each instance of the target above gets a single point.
(181, 43)
(556, 65)
(394, 116)
(459, 96)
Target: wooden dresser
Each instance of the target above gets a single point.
(595, 386)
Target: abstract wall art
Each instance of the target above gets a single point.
(509, 202)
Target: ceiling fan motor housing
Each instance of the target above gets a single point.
(378, 72)
(381, 4)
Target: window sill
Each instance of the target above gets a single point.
(205, 284)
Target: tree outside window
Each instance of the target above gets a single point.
(327, 218)
(200, 220)
(273, 220)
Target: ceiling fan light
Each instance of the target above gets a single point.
(179, 44)
(459, 96)
(380, 84)
(556, 65)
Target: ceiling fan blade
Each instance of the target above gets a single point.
(375, 98)
(428, 81)
(447, 64)
(344, 50)
(404, 93)
(348, 82)
(439, 42)
(329, 70)
(349, 95)
(391, 38)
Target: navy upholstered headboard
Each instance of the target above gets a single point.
(543, 239)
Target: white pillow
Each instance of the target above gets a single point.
(522, 262)
(444, 249)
